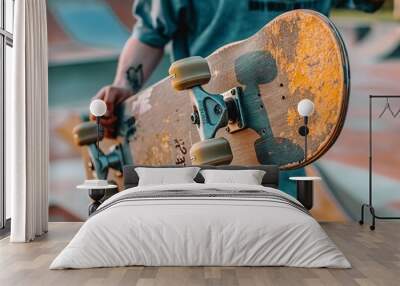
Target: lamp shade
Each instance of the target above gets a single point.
(98, 107)
(305, 107)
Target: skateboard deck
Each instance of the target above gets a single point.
(299, 55)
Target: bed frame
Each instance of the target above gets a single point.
(271, 177)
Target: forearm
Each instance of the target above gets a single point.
(136, 63)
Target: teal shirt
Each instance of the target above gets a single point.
(199, 27)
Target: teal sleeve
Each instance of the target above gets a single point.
(157, 20)
(368, 6)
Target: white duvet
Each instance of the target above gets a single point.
(200, 231)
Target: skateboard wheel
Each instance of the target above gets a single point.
(86, 133)
(216, 151)
(189, 72)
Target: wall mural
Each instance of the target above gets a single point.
(246, 101)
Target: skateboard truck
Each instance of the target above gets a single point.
(210, 111)
(214, 111)
(85, 134)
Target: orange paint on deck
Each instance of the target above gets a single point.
(309, 71)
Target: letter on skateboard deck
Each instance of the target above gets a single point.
(239, 105)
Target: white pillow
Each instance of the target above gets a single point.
(163, 176)
(248, 177)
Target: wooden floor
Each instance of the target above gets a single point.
(375, 257)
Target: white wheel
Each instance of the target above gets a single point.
(189, 72)
(216, 151)
(86, 133)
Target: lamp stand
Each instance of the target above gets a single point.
(98, 134)
(303, 131)
(305, 137)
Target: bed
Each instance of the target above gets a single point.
(201, 224)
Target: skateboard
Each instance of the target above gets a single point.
(237, 106)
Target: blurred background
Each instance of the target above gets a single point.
(86, 36)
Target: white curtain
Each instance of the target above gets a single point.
(27, 124)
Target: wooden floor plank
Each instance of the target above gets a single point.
(375, 257)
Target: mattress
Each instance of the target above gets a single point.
(201, 225)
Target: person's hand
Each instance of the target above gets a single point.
(112, 95)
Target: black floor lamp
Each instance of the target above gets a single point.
(98, 188)
(98, 108)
